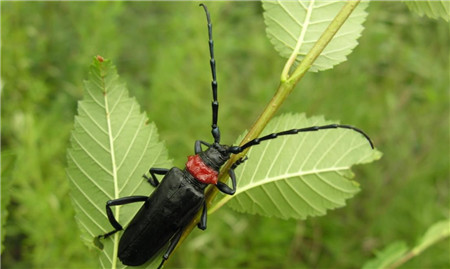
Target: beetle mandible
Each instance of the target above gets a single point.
(180, 194)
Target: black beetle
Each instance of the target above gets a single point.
(180, 195)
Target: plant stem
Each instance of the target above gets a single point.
(324, 39)
(301, 38)
(284, 89)
(417, 251)
(409, 255)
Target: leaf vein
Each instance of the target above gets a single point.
(87, 175)
(269, 196)
(90, 155)
(93, 137)
(130, 145)
(93, 119)
(88, 90)
(299, 194)
(88, 215)
(139, 161)
(283, 195)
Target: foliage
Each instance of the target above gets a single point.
(286, 86)
(397, 253)
(112, 146)
(294, 26)
(432, 9)
(302, 175)
(6, 196)
(394, 86)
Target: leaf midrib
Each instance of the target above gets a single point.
(290, 175)
(113, 162)
(244, 189)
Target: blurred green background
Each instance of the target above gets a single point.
(395, 86)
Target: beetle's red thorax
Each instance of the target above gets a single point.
(200, 171)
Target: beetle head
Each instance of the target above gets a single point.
(215, 156)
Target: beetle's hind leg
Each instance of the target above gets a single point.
(177, 236)
(112, 219)
(172, 245)
(153, 172)
(202, 224)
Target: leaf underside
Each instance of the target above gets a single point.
(301, 23)
(112, 146)
(300, 175)
(433, 9)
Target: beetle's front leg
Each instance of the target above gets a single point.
(112, 219)
(153, 172)
(224, 187)
(198, 146)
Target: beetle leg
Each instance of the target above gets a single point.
(198, 146)
(153, 172)
(202, 224)
(172, 245)
(120, 201)
(238, 162)
(224, 187)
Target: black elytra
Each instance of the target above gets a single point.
(180, 195)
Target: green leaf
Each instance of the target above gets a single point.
(387, 256)
(398, 253)
(436, 232)
(300, 175)
(433, 9)
(8, 160)
(112, 145)
(291, 24)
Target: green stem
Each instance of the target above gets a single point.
(301, 38)
(324, 39)
(415, 252)
(409, 255)
(284, 89)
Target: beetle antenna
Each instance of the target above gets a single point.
(215, 104)
(256, 141)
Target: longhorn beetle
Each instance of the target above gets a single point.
(180, 194)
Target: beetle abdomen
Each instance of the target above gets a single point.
(169, 208)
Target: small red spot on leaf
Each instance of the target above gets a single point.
(100, 58)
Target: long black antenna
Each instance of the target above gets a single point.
(256, 141)
(215, 104)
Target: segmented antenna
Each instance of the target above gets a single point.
(215, 104)
(256, 141)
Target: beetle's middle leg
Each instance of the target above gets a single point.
(153, 172)
(112, 219)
